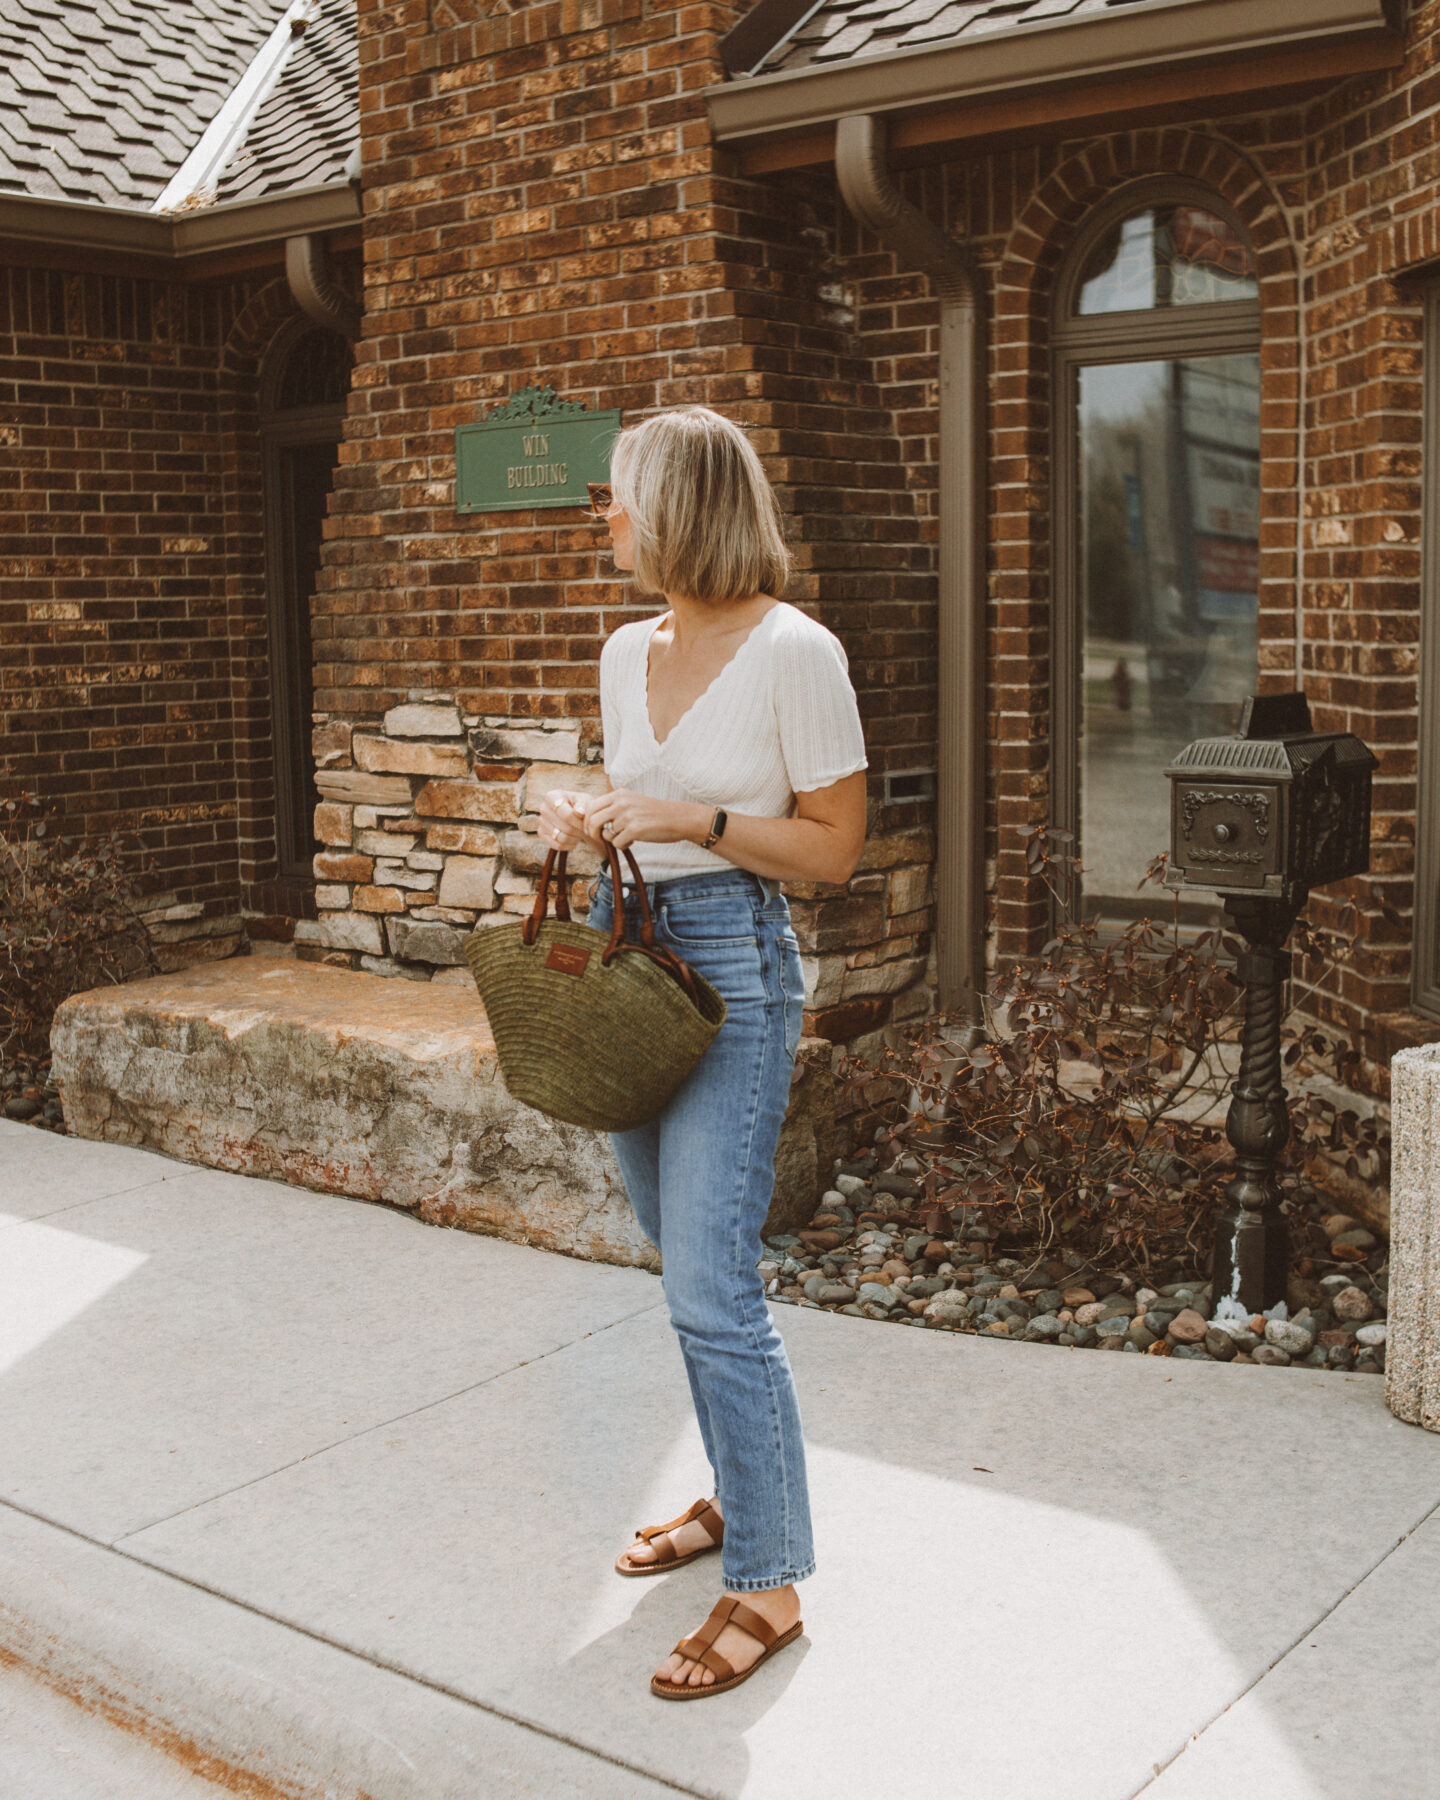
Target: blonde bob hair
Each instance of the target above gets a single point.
(705, 520)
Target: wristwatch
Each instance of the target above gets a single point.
(717, 829)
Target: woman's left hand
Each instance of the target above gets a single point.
(636, 818)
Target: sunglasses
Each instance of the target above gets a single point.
(602, 498)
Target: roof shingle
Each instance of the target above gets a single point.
(103, 100)
(150, 74)
(841, 30)
(309, 124)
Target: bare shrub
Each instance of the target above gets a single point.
(1090, 1113)
(67, 922)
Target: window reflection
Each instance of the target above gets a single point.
(1167, 256)
(1169, 567)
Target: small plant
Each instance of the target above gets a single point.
(67, 922)
(1091, 1111)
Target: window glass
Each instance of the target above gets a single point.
(1178, 255)
(1169, 566)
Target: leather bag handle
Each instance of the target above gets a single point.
(557, 860)
(536, 916)
(664, 958)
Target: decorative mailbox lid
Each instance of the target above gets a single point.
(1277, 809)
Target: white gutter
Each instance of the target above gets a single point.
(959, 813)
(1149, 34)
(199, 174)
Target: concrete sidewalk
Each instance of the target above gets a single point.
(331, 1496)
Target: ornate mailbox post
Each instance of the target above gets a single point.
(1261, 818)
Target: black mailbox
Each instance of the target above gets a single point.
(1273, 811)
(1260, 818)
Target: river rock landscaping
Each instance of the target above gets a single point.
(29, 1096)
(867, 1255)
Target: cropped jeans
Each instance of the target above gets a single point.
(699, 1177)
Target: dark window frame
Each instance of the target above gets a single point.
(280, 430)
(1425, 956)
(1219, 328)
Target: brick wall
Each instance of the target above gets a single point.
(1372, 190)
(1340, 199)
(133, 673)
(543, 206)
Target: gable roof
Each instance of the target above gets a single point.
(104, 101)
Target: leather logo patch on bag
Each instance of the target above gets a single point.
(567, 959)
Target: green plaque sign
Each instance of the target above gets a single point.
(534, 450)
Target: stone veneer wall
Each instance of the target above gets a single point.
(428, 829)
(425, 834)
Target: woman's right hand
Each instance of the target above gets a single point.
(562, 819)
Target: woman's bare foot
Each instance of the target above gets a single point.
(686, 1538)
(779, 1607)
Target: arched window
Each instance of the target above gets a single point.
(1157, 453)
(303, 386)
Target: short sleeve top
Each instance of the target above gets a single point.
(779, 719)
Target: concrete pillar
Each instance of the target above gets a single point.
(1412, 1346)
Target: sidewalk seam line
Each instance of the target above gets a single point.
(379, 1425)
(91, 1200)
(1288, 1651)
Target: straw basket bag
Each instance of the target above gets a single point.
(594, 1031)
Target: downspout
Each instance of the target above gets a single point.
(960, 780)
(307, 269)
(315, 292)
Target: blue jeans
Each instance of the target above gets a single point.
(700, 1178)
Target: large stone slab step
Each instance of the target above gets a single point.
(385, 1090)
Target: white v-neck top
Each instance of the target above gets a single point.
(779, 719)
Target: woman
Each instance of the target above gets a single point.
(734, 757)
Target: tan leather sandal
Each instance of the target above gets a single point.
(700, 1648)
(702, 1513)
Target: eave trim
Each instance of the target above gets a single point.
(236, 224)
(1157, 34)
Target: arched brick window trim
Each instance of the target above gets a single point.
(1021, 584)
